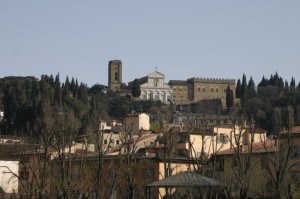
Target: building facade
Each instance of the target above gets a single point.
(153, 87)
(114, 75)
(136, 122)
(196, 89)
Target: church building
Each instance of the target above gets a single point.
(153, 87)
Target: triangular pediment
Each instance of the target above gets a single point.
(156, 74)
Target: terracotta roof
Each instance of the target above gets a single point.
(11, 151)
(185, 179)
(177, 82)
(267, 146)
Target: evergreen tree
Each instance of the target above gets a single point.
(82, 93)
(57, 90)
(298, 87)
(136, 89)
(120, 107)
(244, 90)
(263, 82)
(229, 98)
(67, 82)
(238, 89)
(51, 81)
(76, 87)
(251, 88)
(286, 87)
(73, 87)
(293, 85)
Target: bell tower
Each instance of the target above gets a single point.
(114, 75)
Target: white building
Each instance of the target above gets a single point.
(8, 179)
(153, 87)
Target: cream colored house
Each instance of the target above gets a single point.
(209, 140)
(247, 165)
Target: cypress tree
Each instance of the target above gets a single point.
(73, 87)
(251, 88)
(57, 90)
(82, 93)
(298, 87)
(136, 89)
(229, 98)
(238, 89)
(263, 82)
(286, 87)
(244, 90)
(292, 85)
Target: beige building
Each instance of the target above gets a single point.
(247, 168)
(208, 139)
(136, 123)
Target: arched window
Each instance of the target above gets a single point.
(116, 76)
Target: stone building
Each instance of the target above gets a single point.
(114, 75)
(196, 89)
(153, 87)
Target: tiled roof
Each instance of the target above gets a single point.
(185, 179)
(11, 151)
(261, 147)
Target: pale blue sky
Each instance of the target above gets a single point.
(216, 39)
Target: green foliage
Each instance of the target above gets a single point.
(119, 107)
(155, 127)
(136, 89)
(238, 89)
(251, 88)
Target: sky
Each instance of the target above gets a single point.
(183, 39)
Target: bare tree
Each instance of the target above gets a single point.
(280, 163)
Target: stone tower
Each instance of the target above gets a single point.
(114, 75)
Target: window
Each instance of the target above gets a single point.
(117, 142)
(222, 138)
(148, 172)
(217, 89)
(211, 89)
(168, 172)
(105, 141)
(237, 138)
(221, 164)
(199, 89)
(203, 89)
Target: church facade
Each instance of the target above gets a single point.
(153, 87)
